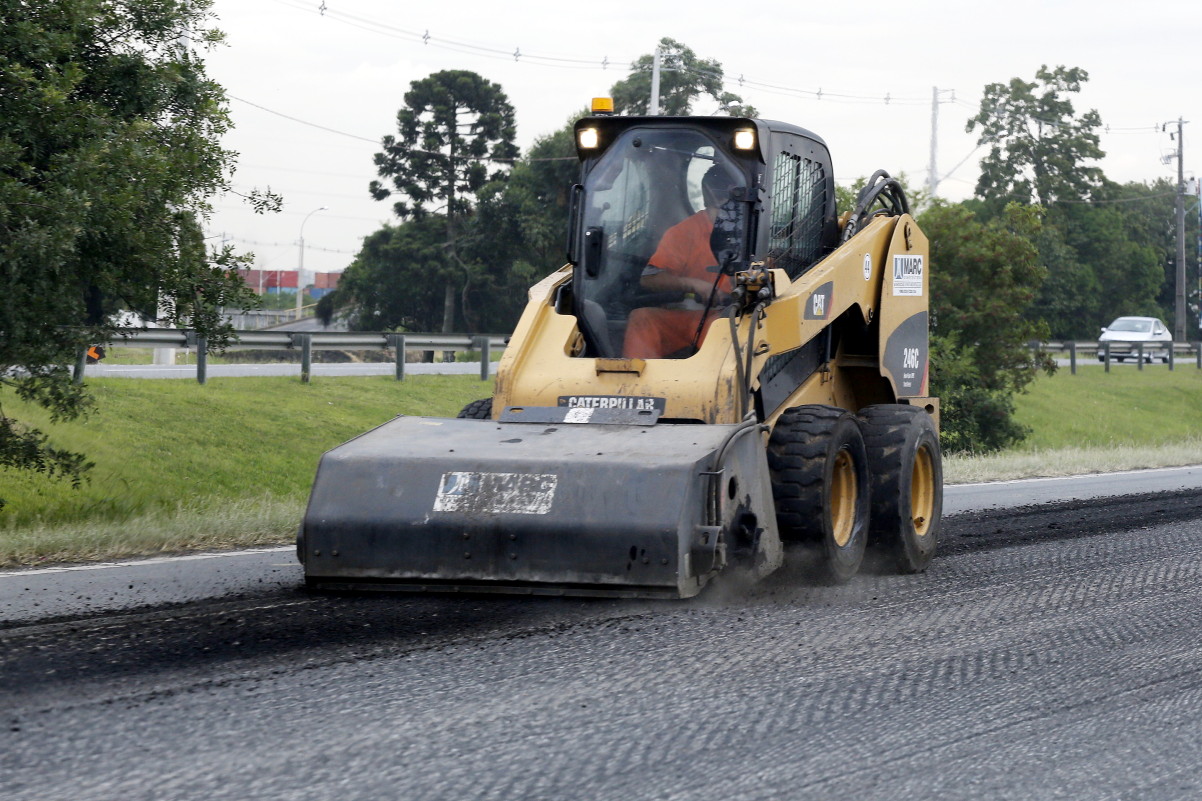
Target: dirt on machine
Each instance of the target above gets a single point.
(728, 363)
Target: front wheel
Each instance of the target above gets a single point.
(907, 483)
(819, 472)
(477, 410)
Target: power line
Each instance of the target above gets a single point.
(1093, 202)
(304, 122)
(288, 245)
(517, 54)
(495, 159)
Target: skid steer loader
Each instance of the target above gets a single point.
(642, 439)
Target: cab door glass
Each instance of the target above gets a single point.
(647, 181)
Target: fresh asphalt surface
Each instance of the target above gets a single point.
(1051, 651)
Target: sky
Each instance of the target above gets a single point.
(312, 93)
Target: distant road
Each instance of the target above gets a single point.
(241, 370)
(343, 369)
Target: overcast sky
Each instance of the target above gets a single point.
(291, 71)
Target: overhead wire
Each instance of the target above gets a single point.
(308, 247)
(729, 82)
(497, 159)
(517, 54)
(604, 62)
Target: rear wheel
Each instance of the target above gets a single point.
(907, 483)
(477, 410)
(819, 472)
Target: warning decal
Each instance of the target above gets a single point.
(496, 493)
(907, 276)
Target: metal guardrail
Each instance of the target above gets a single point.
(305, 342)
(1102, 352)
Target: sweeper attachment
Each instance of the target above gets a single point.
(724, 365)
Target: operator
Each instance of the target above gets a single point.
(683, 262)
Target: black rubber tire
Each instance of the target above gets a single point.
(477, 410)
(820, 486)
(906, 466)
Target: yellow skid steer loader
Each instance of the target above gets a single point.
(726, 364)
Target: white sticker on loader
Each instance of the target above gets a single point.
(496, 493)
(907, 276)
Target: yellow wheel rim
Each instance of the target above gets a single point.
(922, 492)
(843, 498)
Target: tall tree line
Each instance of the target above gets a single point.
(109, 152)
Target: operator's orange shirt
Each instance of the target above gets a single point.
(684, 250)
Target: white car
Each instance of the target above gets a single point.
(1126, 333)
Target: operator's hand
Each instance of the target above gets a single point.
(697, 287)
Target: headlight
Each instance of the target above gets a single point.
(745, 139)
(588, 138)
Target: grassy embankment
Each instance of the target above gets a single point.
(1096, 422)
(181, 466)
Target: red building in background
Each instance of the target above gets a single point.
(273, 281)
(323, 283)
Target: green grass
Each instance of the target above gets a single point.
(179, 465)
(1123, 407)
(1096, 422)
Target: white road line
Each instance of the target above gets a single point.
(1141, 471)
(39, 571)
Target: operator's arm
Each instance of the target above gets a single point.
(684, 249)
(664, 281)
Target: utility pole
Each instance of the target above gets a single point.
(1179, 306)
(300, 269)
(1197, 193)
(653, 106)
(932, 170)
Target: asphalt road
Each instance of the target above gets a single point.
(1051, 651)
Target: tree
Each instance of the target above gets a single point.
(454, 125)
(1127, 274)
(1149, 221)
(984, 277)
(1037, 146)
(109, 149)
(536, 197)
(1070, 298)
(387, 287)
(683, 79)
